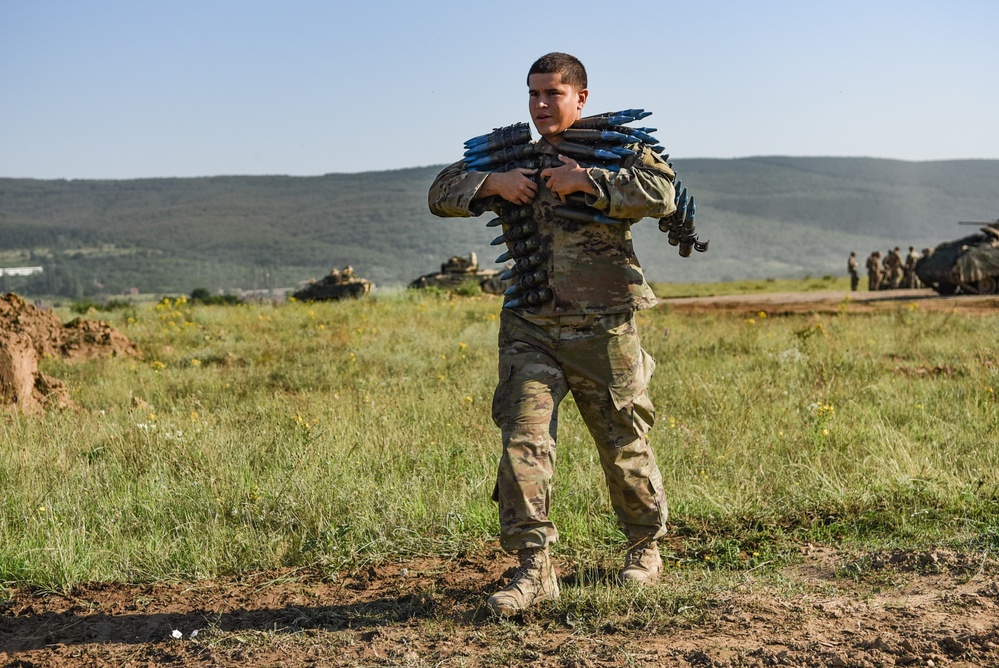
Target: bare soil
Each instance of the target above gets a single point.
(29, 333)
(932, 608)
(919, 609)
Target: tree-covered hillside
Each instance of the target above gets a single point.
(765, 217)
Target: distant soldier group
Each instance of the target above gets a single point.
(886, 272)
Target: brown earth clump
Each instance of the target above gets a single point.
(28, 333)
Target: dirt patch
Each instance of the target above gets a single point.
(28, 333)
(781, 303)
(901, 608)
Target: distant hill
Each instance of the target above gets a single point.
(765, 216)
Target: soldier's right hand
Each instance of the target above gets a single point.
(515, 186)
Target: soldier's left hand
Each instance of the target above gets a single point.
(567, 179)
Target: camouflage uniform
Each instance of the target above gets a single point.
(911, 280)
(852, 266)
(583, 341)
(874, 271)
(893, 268)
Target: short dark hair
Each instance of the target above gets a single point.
(572, 71)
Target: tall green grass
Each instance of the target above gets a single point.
(336, 434)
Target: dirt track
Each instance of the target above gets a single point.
(833, 302)
(925, 609)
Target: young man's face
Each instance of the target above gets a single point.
(554, 105)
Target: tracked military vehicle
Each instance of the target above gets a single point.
(969, 265)
(459, 270)
(338, 284)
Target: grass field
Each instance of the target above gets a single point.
(270, 473)
(336, 435)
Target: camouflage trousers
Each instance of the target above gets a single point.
(600, 360)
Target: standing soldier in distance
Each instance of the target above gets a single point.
(874, 271)
(911, 280)
(893, 268)
(583, 340)
(852, 266)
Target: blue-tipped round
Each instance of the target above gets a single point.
(503, 258)
(513, 289)
(507, 275)
(477, 163)
(501, 239)
(644, 137)
(690, 210)
(622, 151)
(604, 154)
(657, 149)
(495, 222)
(613, 136)
(477, 140)
(621, 119)
(476, 152)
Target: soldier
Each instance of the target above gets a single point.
(852, 266)
(893, 268)
(582, 340)
(874, 271)
(911, 281)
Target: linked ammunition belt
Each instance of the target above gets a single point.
(594, 141)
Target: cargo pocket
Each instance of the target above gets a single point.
(630, 396)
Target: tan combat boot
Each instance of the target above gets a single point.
(535, 581)
(643, 564)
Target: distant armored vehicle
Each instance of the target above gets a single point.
(458, 270)
(969, 265)
(338, 284)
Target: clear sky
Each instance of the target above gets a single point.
(119, 89)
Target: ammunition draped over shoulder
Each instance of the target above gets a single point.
(609, 118)
(608, 128)
(521, 248)
(680, 225)
(484, 161)
(600, 141)
(524, 265)
(516, 233)
(520, 234)
(518, 133)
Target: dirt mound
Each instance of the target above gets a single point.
(28, 333)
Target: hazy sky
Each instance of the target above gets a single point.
(126, 89)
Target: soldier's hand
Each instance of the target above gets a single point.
(567, 179)
(515, 186)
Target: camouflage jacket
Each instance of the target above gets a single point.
(592, 268)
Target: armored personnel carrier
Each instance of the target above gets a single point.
(458, 270)
(969, 265)
(338, 284)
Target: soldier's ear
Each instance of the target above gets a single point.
(581, 98)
